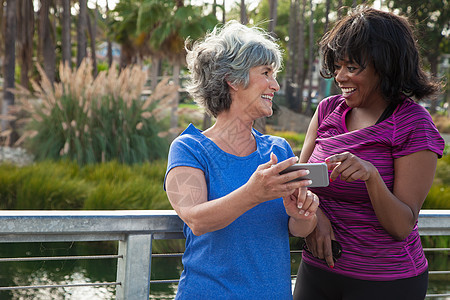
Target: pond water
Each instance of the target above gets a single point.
(98, 271)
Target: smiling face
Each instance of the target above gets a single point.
(255, 100)
(360, 87)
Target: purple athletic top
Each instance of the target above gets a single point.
(369, 251)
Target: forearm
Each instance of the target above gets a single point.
(218, 213)
(396, 217)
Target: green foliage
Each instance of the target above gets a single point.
(99, 120)
(294, 139)
(120, 186)
(8, 182)
(439, 194)
(48, 185)
(65, 185)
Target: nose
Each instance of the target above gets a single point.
(341, 75)
(274, 84)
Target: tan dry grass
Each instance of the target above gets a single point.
(80, 85)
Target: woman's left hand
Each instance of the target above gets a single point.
(302, 204)
(349, 167)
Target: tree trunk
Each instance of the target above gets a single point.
(273, 14)
(2, 25)
(310, 60)
(176, 101)
(301, 56)
(155, 72)
(433, 59)
(25, 32)
(321, 90)
(244, 19)
(292, 58)
(223, 13)
(66, 38)
(92, 28)
(260, 124)
(47, 43)
(339, 11)
(81, 33)
(108, 40)
(9, 66)
(327, 15)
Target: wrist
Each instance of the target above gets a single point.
(302, 227)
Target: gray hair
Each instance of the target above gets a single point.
(227, 54)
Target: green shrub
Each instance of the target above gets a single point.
(65, 185)
(49, 185)
(294, 139)
(97, 120)
(439, 194)
(8, 184)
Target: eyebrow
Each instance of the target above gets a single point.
(267, 68)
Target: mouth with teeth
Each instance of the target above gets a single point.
(267, 97)
(346, 92)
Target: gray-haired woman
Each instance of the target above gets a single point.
(224, 182)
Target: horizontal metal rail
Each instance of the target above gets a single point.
(135, 231)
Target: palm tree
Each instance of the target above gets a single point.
(301, 55)
(25, 32)
(166, 25)
(81, 32)
(308, 110)
(292, 57)
(92, 29)
(244, 19)
(46, 40)
(9, 65)
(273, 16)
(66, 37)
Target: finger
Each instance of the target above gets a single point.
(309, 198)
(311, 244)
(328, 254)
(272, 161)
(319, 250)
(336, 158)
(294, 175)
(311, 210)
(301, 197)
(277, 168)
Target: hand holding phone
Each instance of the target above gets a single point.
(318, 173)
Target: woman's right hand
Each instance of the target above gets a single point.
(319, 241)
(266, 183)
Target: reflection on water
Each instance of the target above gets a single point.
(42, 277)
(98, 271)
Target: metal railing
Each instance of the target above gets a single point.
(134, 231)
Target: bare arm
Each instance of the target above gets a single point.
(310, 139)
(397, 211)
(319, 241)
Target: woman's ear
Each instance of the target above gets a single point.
(232, 86)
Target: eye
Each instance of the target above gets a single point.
(352, 69)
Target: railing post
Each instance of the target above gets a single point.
(133, 270)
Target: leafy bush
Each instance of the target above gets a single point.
(47, 185)
(294, 139)
(97, 120)
(65, 185)
(439, 194)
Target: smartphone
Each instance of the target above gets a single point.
(318, 173)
